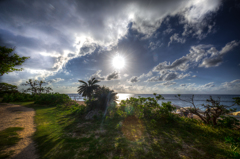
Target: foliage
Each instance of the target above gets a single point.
(53, 99)
(228, 122)
(145, 107)
(70, 136)
(104, 97)
(212, 111)
(8, 61)
(235, 144)
(18, 97)
(7, 87)
(36, 87)
(8, 138)
(237, 100)
(87, 88)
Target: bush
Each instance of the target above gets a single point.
(235, 144)
(18, 97)
(228, 122)
(145, 107)
(53, 99)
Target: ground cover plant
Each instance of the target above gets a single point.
(8, 138)
(138, 128)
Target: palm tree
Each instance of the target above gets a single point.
(87, 88)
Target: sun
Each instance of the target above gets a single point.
(118, 62)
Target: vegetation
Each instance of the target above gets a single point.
(55, 99)
(6, 88)
(36, 87)
(8, 138)
(137, 128)
(211, 112)
(87, 88)
(103, 98)
(18, 97)
(9, 61)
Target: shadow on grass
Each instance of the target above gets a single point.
(66, 134)
(189, 138)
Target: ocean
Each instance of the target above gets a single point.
(199, 99)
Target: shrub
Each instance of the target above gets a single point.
(235, 144)
(145, 107)
(18, 97)
(228, 122)
(53, 99)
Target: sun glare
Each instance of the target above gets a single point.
(118, 62)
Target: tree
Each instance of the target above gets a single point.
(8, 61)
(211, 113)
(87, 88)
(7, 87)
(36, 87)
(104, 97)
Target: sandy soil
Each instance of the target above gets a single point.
(18, 116)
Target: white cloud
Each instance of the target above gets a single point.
(194, 76)
(167, 76)
(82, 27)
(125, 75)
(175, 37)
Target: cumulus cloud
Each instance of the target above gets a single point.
(166, 84)
(216, 57)
(179, 64)
(200, 55)
(55, 80)
(182, 85)
(63, 30)
(134, 79)
(208, 85)
(97, 75)
(233, 84)
(112, 76)
(194, 76)
(167, 76)
(175, 37)
(125, 75)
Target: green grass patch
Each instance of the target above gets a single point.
(8, 138)
(63, 134)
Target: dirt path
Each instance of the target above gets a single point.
(18, 116)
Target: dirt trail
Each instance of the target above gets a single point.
(18, 116)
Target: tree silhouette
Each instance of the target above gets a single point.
(87, 88)
(8, 61)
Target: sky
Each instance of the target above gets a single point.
(164, 46)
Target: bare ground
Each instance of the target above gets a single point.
(18, 116)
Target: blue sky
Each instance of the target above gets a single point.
(167, 46)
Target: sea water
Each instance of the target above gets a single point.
(199, 99)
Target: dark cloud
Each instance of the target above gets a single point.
(167, 76)
(134, 79)
(182, 85)
(98, 76)
(113, 76)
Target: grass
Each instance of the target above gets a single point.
(63, 134)
(8, 138)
